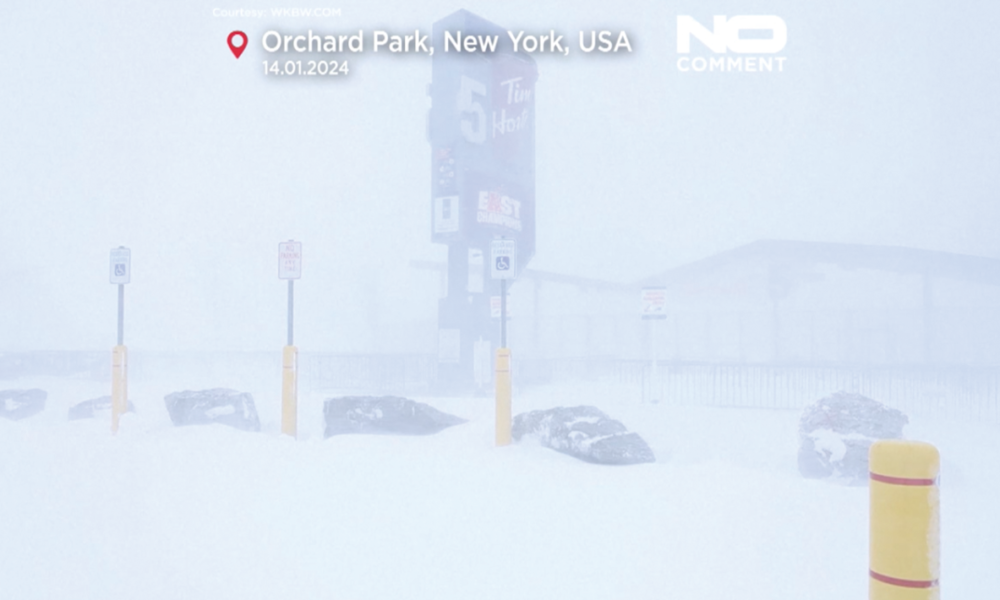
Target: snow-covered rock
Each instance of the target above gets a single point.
(836, 432)
(88, 409)
(584, 432)
(21, 404)
(385, 415)
(218, 405)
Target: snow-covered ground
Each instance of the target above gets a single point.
(212, 512)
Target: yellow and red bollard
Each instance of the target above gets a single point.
(503, 393)
(119, 384)
(289, 391)
(904, 542)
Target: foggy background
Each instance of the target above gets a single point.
(136, 126)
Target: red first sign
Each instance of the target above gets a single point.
(290, 260)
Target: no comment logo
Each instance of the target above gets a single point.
(755, 40)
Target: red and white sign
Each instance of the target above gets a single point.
(495, 306)
(290, 260)
(497, 208)
(653, 303)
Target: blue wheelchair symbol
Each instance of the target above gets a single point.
(119, 270)
(503, 263)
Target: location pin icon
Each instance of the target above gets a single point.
(239, 47)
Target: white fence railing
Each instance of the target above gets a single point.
(963, 392)
(956, 391)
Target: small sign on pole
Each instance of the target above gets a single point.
(290, 260)
(121, 265)
(121, 273)
(503, 266)
(495, 306)
(446, 214)
(290, 268)
(653, 303)
(503, 259)
(653, 307)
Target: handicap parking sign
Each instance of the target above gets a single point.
(504, 263)
(121, 261)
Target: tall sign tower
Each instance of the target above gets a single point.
(482, 136)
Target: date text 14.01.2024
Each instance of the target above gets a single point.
(306, 68)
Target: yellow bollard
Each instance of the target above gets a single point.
(904, 538)
(289, 391)
(119, 384)
(503, 396)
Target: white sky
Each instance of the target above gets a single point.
(135, 126)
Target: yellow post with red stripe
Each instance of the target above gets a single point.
(503, 393)
(289, 391)
(904, 529)
(119, 384)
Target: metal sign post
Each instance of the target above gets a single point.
(503, 266)
(290, 268)
(653, 307)
(291, 312)
(121, 274)
(503, 313)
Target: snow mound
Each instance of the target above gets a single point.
(384, 415)
(89, 409)
(218, 405)
(584, 432)
(21, 404)
(836, 432)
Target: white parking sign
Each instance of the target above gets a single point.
(653, 303)
(290, 260)
(121, 265)
(503, 259)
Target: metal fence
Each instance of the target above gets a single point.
(963, 392)
(362, 373)
(328, 372)
(956, 391)
(84, 365)
(562, 370)
(368, 373)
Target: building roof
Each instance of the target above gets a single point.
(896, 259)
